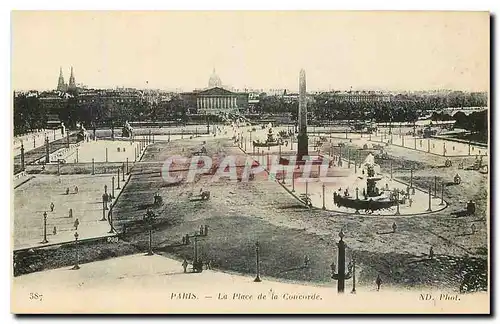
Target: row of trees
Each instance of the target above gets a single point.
(30, 113)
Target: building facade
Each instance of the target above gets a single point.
(359, 96)
(215, 100)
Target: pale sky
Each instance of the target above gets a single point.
(377, 50)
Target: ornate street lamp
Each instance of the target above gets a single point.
(110, 220)
(430, 194)
(104, 206)
(118, 179)
(397, 203)
(150, 218)
(323, 196)
(76, 266)
(22, 157)
(442, 194)
(352, 265)
(341, 276)
(45, 228)
(257, 254)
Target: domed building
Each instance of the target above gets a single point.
(214, 80)
(215, 100)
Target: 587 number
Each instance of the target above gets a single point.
(36, 296)
(112, 239)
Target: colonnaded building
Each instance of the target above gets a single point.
(216, 99)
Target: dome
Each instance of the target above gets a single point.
(214, 80)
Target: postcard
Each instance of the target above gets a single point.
(250, 162)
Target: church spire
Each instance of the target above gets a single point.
(61, 86)
(72, 84)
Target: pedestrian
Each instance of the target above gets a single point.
(51, 206)
(306, 261)
(54, 231)
(76, 224)
(431, 253)
(183, 240)
(473, 229)
(187, 239)
(184, 265)
(67, 191)
(394, 227)
(410, 201)
(206, 230)
(378, 282)
(209, 264)
(76, 189)
(70, 213)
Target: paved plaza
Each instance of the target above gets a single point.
(34, 197)
(100, 151)
(34, 140)
(156, 280)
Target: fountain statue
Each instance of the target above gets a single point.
(373, 198)
(127, 130)
(82, 134)
(270, 140)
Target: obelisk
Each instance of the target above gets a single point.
(302, 140)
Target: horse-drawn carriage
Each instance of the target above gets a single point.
(158, 200)
(306, 199)
(202, 195)
(197, 266)
(202, 151)
(382, 155)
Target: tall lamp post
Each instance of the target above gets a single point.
(323, 186)
(341, 276)
(442, 194)
(104, 206)
(45, 228)
(150, 218)
(77, 257)
(118, 179)
(22, 157)
(257, 254)
(353, 265)
(110, 220)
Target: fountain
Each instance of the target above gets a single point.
(373, 198)
(270, 141)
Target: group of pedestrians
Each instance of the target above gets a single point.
(207, 264)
